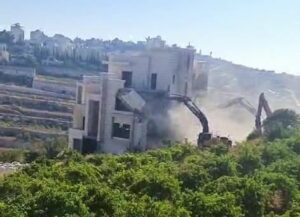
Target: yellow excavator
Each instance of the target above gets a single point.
(205, 136)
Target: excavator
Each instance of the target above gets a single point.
(205, 136)
(262, 105)
(243, 102)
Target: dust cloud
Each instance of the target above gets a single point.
(174, 121)
(235, 122)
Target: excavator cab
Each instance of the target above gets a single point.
(203, 138)
(207, 140)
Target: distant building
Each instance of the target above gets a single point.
(87, 53)
(88, 50)
(59, 45)
(37, 37)
(107, 117)
(17, 32)
(155, 42)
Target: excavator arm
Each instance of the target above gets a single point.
(262, 105)
(194, 109)
(243, 102)
(205, 135)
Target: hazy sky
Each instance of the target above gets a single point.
(257, 33)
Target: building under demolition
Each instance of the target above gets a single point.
(113, 110)
(159, 69)
(107, 117)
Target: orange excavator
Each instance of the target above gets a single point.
(262, 105)
(205, 136)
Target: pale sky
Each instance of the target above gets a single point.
(258, 33)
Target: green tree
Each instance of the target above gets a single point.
(51, 202)
(282, 123)
(253, 179)
(248, 158)
(9, 211)
(214, 205)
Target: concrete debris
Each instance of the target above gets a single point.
(131, 99)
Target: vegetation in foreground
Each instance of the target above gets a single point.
(256, 178)
(251, 180)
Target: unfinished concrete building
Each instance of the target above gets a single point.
(156, 73)
(107, 117)
(156, 69)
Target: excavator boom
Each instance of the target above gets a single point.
(243, 102)
(205, 135)
(194, 109)
(262, 105)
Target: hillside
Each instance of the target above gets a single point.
(240, 80)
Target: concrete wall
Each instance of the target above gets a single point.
(108, 109)
(74, 134)
(165, 62)
(78, 114)
(116, 144)
(138, 65)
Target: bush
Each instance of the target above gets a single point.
(281, 124)
(11, 155)
(260, 178)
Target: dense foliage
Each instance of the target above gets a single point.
(254, 179)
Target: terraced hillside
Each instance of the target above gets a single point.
(29, 115)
